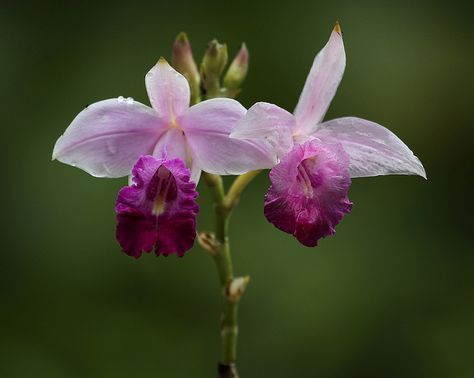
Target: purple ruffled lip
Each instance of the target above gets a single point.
(158, 211)
(308, 195)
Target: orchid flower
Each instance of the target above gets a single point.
(308, 195)
(108, 137)
(158, 211)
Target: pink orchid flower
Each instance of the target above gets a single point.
(108, 137)
(308, 195)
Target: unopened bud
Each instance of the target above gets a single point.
(213, 64)
(184, 63)
(215, 58)
(237, 71)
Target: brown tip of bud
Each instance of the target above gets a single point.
(182, 53)
(182, 38)
(337, 28)
(213, 48)
(162, 60)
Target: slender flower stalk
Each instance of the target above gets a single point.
(231, 287)
(218, 245)
(223, 260)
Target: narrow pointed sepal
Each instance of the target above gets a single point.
(322, 82)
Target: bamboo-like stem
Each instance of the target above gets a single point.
(223, 261)
(232, 288)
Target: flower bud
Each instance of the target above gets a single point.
(237, 71)
(213, 64)
(184, 63)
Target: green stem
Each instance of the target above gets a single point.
(222, 259)
(237, 187)
(231, 288)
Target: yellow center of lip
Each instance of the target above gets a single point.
(159, 205)
(164, 185)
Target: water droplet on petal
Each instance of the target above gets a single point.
(120, 99)
(130, 100)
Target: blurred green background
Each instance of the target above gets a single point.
(391, 295)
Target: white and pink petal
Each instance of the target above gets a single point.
(168, 91)
(107, 137)
(270, 124)
(373, 149)
(321, 83)
(207, 127)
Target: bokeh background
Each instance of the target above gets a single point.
(391, 295)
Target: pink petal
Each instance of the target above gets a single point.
(373, 149)
(158, 211)
(321, 83)
(135, 232)
(207, 127)
(107, 137)
(308, 195)
(172, 144)
(269, 123)
(168, 91)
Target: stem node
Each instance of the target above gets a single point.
(208, 241)
(236, 288)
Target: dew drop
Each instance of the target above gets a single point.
(120, 99)
(129, 100)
